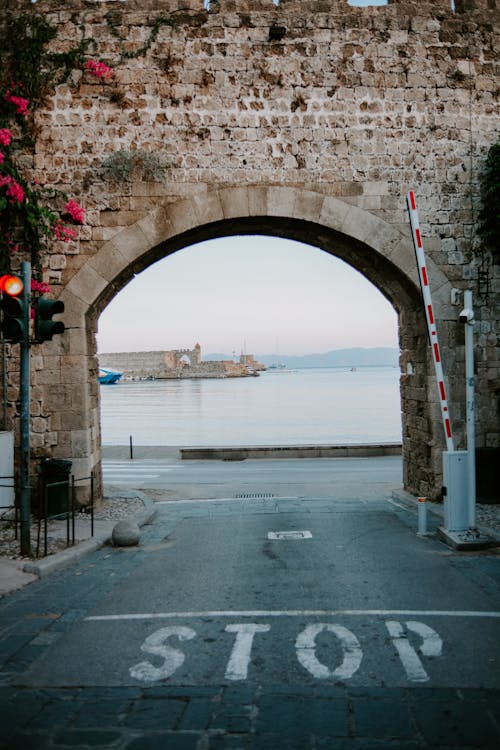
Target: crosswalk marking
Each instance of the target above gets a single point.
(135, 471)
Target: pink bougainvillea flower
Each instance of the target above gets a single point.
(20, 103)
(39, 286)
(2, 158)
(14, 190)
(99, 69)
(64, 233)
(5, 137)
(76, 212)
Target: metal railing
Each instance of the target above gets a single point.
(69, 513)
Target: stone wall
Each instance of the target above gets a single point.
(309, 120)
(168, 365)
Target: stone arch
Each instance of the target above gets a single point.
(383, 252)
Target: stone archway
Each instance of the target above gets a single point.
(381, 251)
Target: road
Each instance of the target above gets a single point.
(177, 479)
(269, 620)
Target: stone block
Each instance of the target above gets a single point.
(125, 533)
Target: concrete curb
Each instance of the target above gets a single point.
(291, 451)
(60, 560)
(437, 509)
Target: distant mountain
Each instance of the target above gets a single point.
(356, 357)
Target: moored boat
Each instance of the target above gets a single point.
(108, 377)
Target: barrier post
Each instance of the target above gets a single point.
(422, 516)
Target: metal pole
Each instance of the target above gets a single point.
(131, 448)
(471, 429)
(422, 516)
(25, 414)
(4, 385)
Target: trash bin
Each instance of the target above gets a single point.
(55, 480)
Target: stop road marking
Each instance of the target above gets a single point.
(158, 644)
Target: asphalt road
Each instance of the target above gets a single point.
(261, 622)
(177, 479)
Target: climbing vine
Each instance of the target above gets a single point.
(489, 228)
(29, 212)
(114, 20)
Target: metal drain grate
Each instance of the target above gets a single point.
(256, 496)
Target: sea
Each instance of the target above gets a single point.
(323, 406)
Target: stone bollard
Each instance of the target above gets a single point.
(125, 534)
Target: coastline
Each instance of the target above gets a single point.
(240, 453)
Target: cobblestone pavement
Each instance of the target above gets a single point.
(250, 717)
(220, 716)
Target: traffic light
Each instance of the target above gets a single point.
(14, 306)
(45, 327)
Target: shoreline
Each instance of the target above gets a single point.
(243, 452)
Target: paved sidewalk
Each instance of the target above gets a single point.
(14, 574)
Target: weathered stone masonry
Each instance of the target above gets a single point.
(308, 120)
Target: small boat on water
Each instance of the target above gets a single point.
(277, 366)
(108, 377)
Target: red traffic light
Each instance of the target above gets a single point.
(11, 285)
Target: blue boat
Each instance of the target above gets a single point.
(108, 377)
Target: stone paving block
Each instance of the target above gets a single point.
(180, 692)
(269, 741)
(225, 741)
(55, 714)
(389, 720)
(456, 724)
(22, 741)
(326, 743)
(164, 741)
(15, 714)
(97, 694)
(108, 713)
(87, 738)
(238, 722)
(198, 714)
(241, 694)
(153, 714)
(297, 716)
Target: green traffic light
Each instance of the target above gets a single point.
(45, 327)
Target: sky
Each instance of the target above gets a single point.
(261, 295)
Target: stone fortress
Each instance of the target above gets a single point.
(305, 119)
(177, 363)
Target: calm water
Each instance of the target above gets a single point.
(313, 407)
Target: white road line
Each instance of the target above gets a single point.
(298, 613)
(134, 470)
(223, 500)
(129, 475)
(145, 470)
(139, 467)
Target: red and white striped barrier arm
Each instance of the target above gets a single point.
(429, 314)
